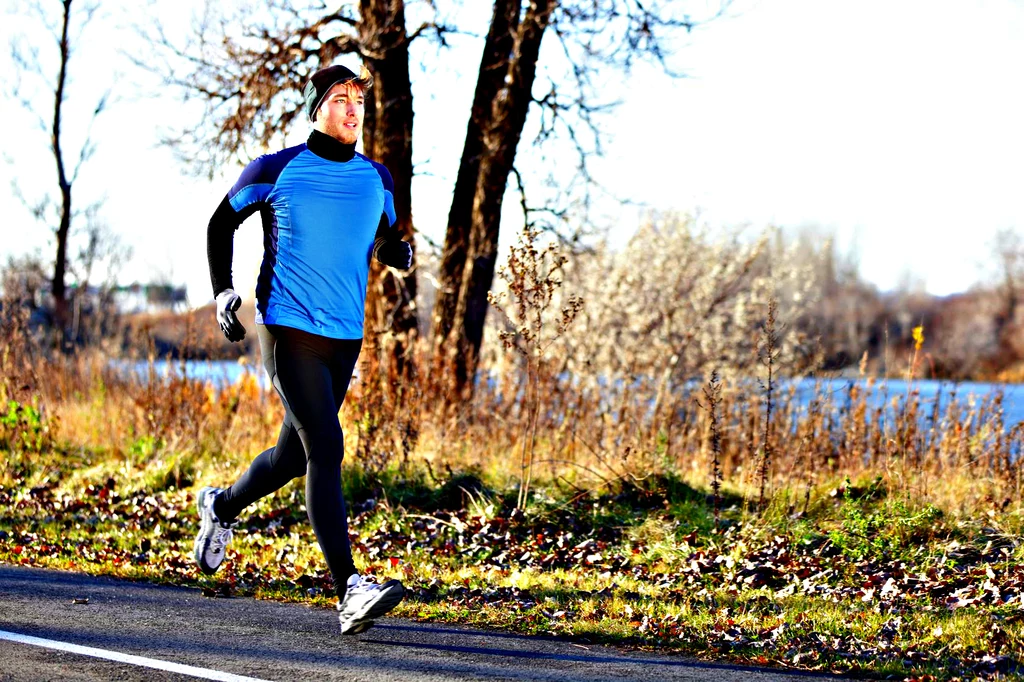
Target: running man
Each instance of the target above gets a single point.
(326, 210)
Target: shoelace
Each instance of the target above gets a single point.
(364, 585)
(222, 533)
(220, 539)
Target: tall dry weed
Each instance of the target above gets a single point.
(583, 397)
(532, 278)
(769, 356)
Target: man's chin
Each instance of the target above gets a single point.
(345, 136)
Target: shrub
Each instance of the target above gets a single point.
(24, 428)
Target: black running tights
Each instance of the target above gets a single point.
(311, 374)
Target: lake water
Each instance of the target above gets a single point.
(882, 393)
(226, 372)
(218, 372)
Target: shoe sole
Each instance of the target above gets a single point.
(360, 627)
(363, 620)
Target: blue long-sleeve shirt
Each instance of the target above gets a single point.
(323, 207)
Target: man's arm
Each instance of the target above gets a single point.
(244, 198)
(388, 247)
(220, 234)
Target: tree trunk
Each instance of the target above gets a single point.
(387, 139)
(60, 262)
(490, 79)
(506, 81)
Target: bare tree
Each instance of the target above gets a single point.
(245, 69)
(30, 64)
(387, 137)
(593, 35)
(96, 264)
(248, 69)
(1008, 254)
(500, 105)
(23, 281)
(100, 251)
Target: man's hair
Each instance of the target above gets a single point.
(323, 80)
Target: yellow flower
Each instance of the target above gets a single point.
(918, 337)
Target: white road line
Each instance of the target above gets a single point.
(203, 673)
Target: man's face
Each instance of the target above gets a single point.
(341, 113)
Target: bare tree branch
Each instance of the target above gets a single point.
(247, 72)
(597, 39)
(30, 65)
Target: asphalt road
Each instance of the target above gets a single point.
(272, 641)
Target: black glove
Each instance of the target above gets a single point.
(227, 303)
(394, 253)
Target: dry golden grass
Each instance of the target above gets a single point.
(597, 448)
(963, 458)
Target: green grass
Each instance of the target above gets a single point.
(866, 582)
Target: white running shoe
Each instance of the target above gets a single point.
(364, 601)
(214, 535)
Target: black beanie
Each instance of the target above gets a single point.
(325, 79)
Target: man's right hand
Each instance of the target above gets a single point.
(227, 303)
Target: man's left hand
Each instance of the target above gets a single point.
(396, 254)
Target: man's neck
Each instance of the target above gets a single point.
(330, 148)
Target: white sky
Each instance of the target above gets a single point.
(897, 124)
